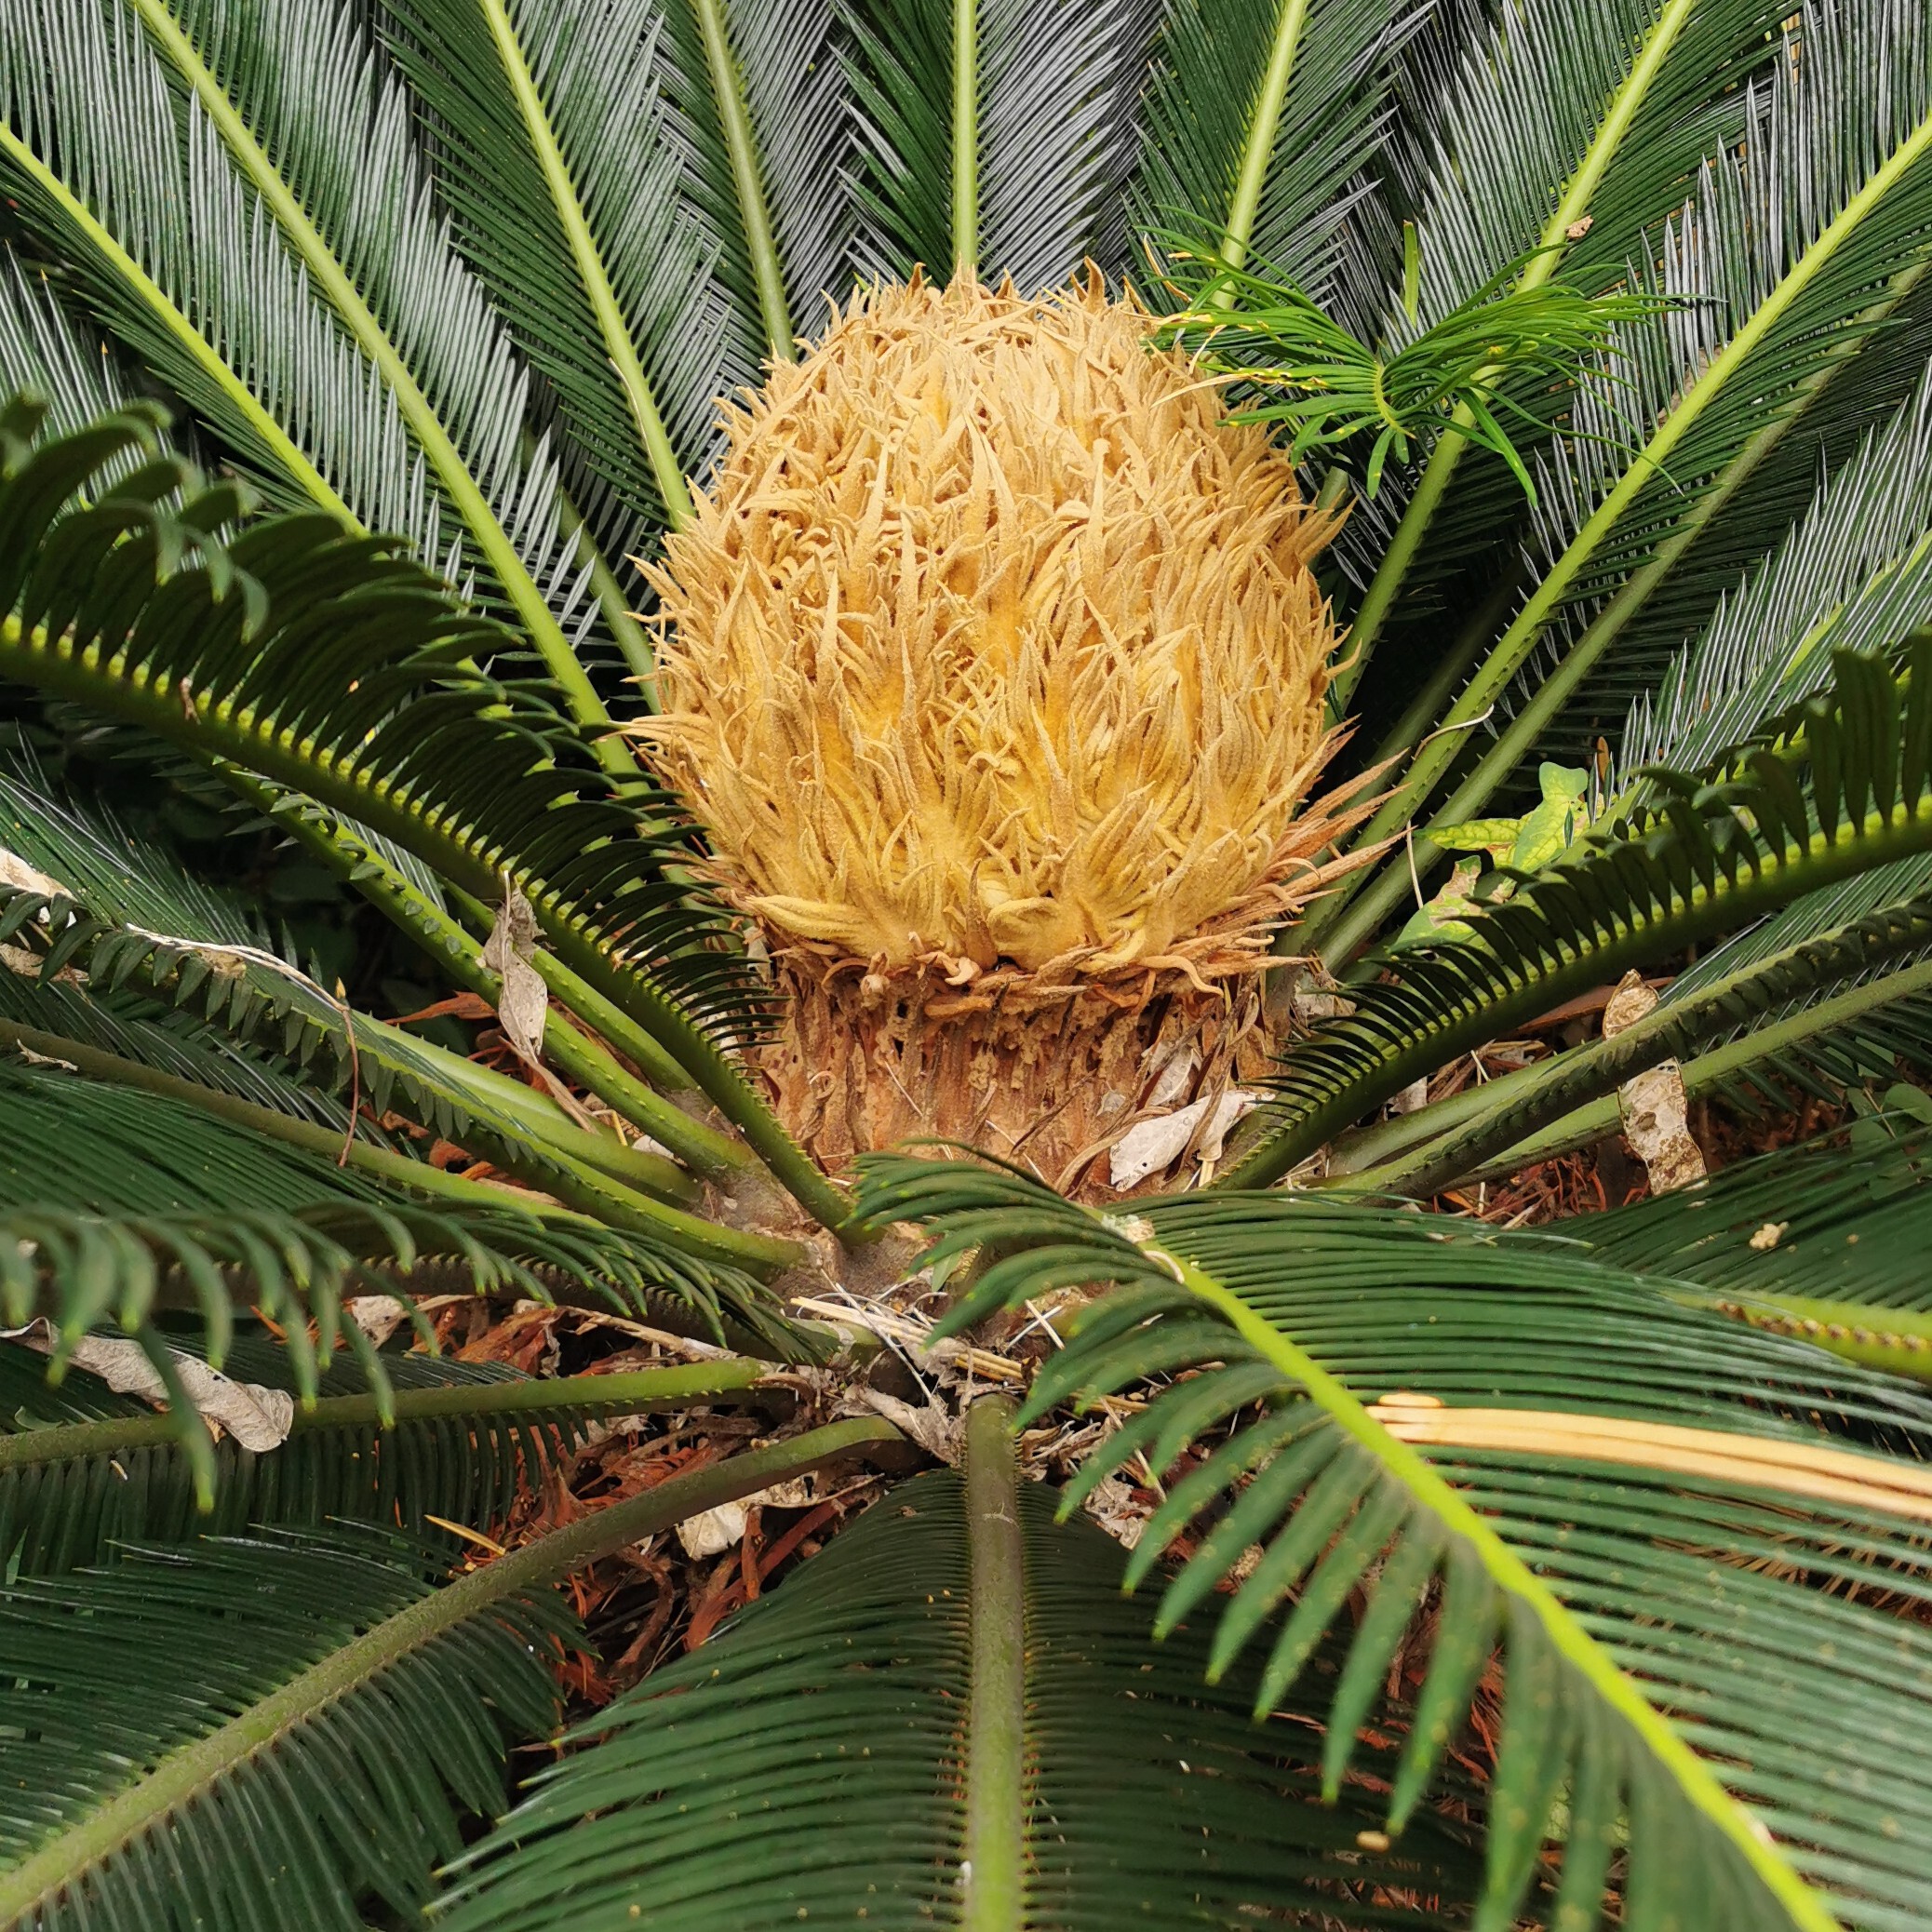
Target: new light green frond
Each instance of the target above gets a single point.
(1297, 368)
(1536, 128)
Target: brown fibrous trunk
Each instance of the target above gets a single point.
(1047, 1076)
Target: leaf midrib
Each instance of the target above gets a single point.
(1258, 146)
(643, 1388)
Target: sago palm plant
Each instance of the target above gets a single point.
(870, 571)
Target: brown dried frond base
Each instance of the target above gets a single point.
(1046, 1076)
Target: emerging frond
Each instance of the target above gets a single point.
(1787, 250)
(1258, 331)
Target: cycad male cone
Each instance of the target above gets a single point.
(993, 663)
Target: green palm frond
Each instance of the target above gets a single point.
(1836, 1048)
(1058, 87)
(1829, 1251)
(1803, 1241)
(1836, 792)
(1855, 571)
(1818, 1051)
(1610, 111)
(404, 890)
(193, 300)
(798, 103)
(449, 1440)
(116, 1203)
(901, 61)
(1536, 129)
(276, 1039)
(302, 148)
(344, 672)
(137, 922)
(1826, 998)
(325, 1750)
(1776, 302)
(729, 69)
(1859, 397)
(1793, 983)
(993, 135)
(1648, 1515)
(552, 149)
(431, 1718)
(982, 1669)
(44, 348)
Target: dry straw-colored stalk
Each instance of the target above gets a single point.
(993, 663)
